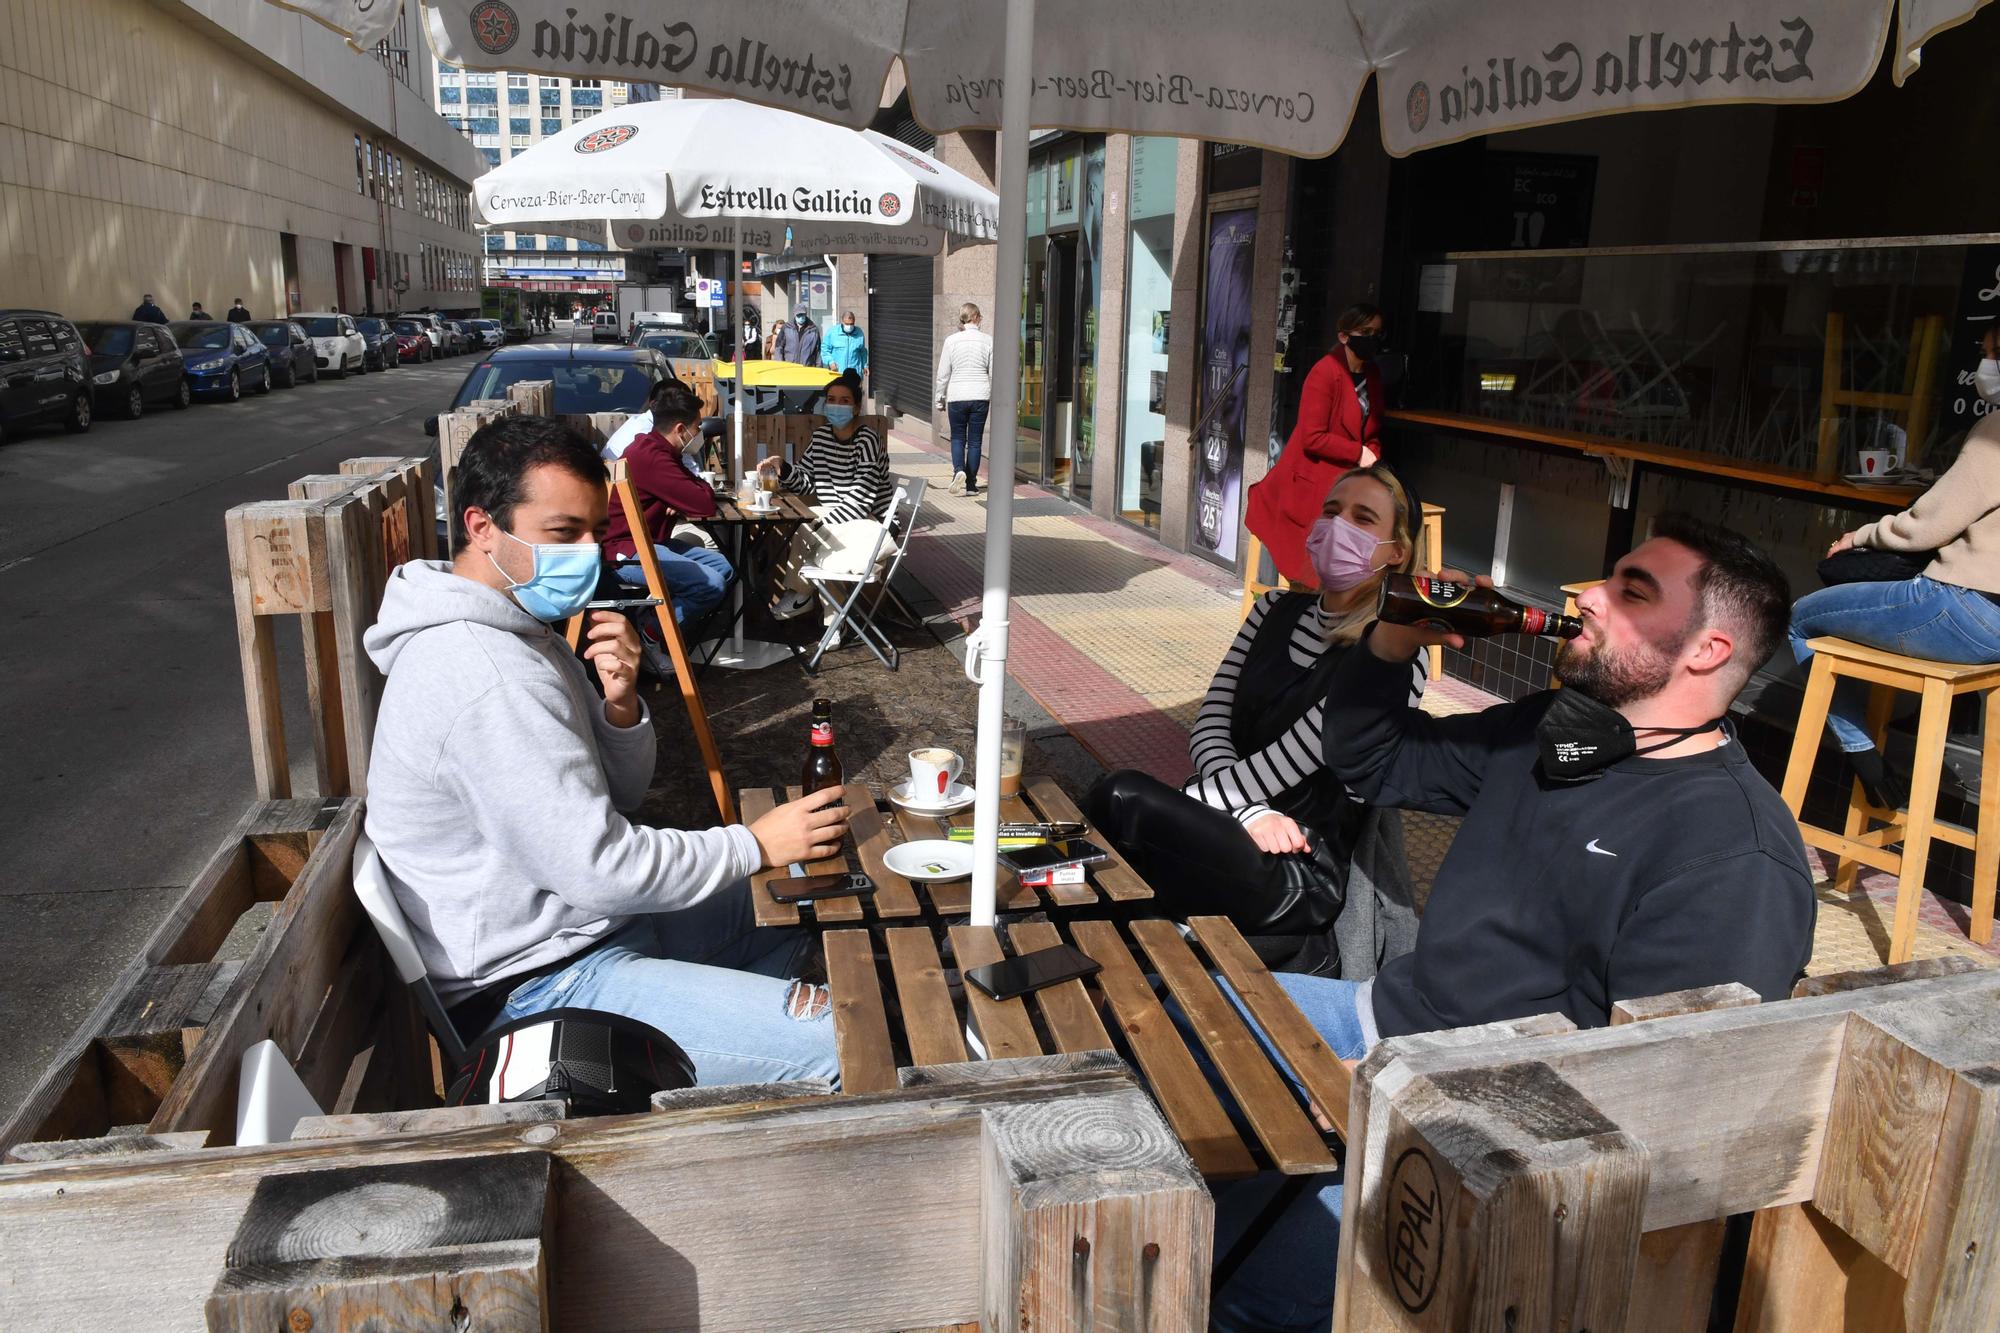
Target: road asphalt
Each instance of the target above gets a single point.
(121, 721)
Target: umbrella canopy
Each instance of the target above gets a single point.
(722, 172)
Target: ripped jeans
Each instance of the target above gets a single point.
(711, 979)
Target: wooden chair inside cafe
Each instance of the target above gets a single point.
(660, 601)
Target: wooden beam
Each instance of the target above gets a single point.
(440, 1244)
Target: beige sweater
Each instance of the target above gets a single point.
(1959, 516)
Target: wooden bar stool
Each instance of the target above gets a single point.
(1860, 842)
(1430, 562)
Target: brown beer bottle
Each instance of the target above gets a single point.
(1465, 608)
(822, 767)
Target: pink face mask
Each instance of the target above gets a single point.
(1342, 554)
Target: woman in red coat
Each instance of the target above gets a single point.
(1338, 428)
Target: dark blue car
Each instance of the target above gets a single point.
(222, 359)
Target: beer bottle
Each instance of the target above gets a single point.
(1465, 608)
(822, 766)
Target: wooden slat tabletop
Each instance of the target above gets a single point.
(1294, 1145)
(1326, 1079)
(1184, 1096)
(1117, 879)
(755, 803)
(1003, 1026)
(791, 509)
(848, 907)
(1067, 1011)
(867, 839)
(860, 1028)
(929, 1019)
(894, 896)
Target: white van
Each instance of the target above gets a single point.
(604, 327)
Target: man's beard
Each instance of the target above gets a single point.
(1617, 678)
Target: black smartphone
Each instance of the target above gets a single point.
(1049, 855)
(1031, 971)
(804, 888)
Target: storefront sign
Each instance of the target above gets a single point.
(1062, 191)
(1233, 166)
(1978, 311)
(1535, 201)
(1225, 365)
(1503, 66)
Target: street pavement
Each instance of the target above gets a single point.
(121, 722)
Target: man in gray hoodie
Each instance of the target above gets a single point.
(499, 782)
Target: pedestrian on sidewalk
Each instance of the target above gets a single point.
(1263, 833)
(199, 313)
(844, 476)
(239, 313)
(1338, 427)
(148, 313)
(797, 341)
(964, 391)
(845, 347)
(751, 339)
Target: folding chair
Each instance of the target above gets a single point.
(897, 524)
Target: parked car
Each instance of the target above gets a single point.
(587, 378)
(337, 345)
(433, 329)
(489, 333)
(132, 365)
(292, 358)
(44, 372)
(518, 332)
(222, 359)
(604, 327)
(375, 333)
(468, 337)
(412, 342)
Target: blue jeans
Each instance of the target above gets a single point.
(1287, 1280)
(1919, 617)
(695, 575)
(968, 427)
(711, 979)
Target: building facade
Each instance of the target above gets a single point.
(204, 150)
(504, 115)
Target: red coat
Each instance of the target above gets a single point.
(1326, 443)
(665, 487)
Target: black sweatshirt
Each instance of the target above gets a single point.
(1660, 875)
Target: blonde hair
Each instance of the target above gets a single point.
(1348, 628)
(968, 313)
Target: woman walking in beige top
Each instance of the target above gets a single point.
(964, 384)
(1948, 613)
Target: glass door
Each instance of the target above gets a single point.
(1034, 282)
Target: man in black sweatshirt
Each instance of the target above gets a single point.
(1616, 844)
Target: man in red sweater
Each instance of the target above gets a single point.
(670, 488)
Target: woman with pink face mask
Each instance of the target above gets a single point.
(1262, 833)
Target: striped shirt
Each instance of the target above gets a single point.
(849, 477)
(1242, 785)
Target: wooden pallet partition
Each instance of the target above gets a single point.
(1042, 1194)
(1511, 1182)
(533, 398)
(161, 1050)
(455, 430)
(418, 476)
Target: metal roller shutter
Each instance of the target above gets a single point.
(901, 361)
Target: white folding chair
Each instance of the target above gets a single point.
(844, 590)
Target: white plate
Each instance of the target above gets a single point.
(931, 861)
(1885, 479)
(960, 797)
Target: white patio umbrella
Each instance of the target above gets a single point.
(1282, 74)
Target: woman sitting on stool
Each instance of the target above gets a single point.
(1263, 834)
(1948, 613)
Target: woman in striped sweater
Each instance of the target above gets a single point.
(844, 476)
(1262, 833)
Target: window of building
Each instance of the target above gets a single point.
(480, 80)
(443, 68)
(449, 96)
(495, 241)
(517, 80)
(526, 242)
(588, 245)
(558, 242)
(551, 127)
(519, 126)
(519, 141)
(484, 126)
(551, 97)
(456, 122)
(586, 97)
(482, 96)
(585, 83)
(360, 178)
(492, 156)
(517, 97)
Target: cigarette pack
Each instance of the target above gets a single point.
(1043, 879)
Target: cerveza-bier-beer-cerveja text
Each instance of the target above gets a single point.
(1465, 608)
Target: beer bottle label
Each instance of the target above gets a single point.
(822, 733)
(1534, 620)
(1443, 592)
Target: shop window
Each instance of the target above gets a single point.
(1149, 295)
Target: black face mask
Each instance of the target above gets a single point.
(1580, 737)
(1367, 346)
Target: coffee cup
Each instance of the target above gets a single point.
(1876, 462)
(932, 771)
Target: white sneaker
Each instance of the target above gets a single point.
(793, 605)
(958, 483)
(839, 637)
(653, 658)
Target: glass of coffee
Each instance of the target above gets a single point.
(1013, 752)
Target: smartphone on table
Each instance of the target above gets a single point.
(1031, 971)
(805, 888)
(1074, 851)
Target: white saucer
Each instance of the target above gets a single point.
(931, 861)
(958, 798)
(1884, 479)
(759, 509)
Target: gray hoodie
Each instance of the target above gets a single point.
(495, 786)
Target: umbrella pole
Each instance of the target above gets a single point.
(987, 656)
(736, 442)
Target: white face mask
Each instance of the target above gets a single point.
(1986, 380)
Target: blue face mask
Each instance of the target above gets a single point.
(838, 414)
(565, 578)
(801, 320)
